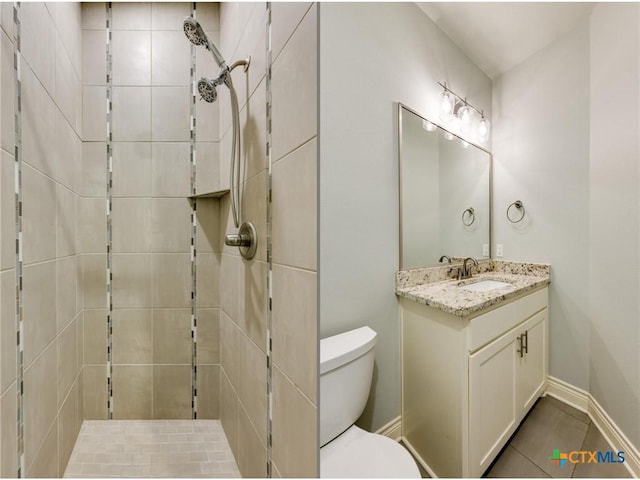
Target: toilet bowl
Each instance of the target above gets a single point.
(347, 451)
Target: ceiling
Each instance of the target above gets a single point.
(498, 36)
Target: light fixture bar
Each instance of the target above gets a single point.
(463, 100)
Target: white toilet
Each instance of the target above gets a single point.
(346, 369)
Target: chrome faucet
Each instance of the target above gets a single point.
(445, 257)
(465, 270)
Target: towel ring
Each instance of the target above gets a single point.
(518, 204)
(472, 216)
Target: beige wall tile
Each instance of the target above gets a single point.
(169, 16)
(294, 208)
(39, 314)
(132, 336)
(209, 15)
(208, 124)
(253, 197)
(229, 405)
(131, 225)
(131, 57)
(295, 442)
(94, 280)
(69, 425)
(208, 236)
(67, 150)
(229, 296)
(38, 216)
(95, 392)
(132, 280)
(94, 58)
(172, 391)
(94, 113)
(252, 456)
(80, 345)
(131, 16)
(171, 55)
(67, 344)
(170, 225)
(171, 172)
(45, 464)
(253, 128)
(208, 165)
(40, 401)
(208, 335)
(66, 290)
(208, 279)
(171, 114)
(95, 337)
(132, 390)
(172, 336)
(7, 210)
(66, 222)
(38, 37)
(8, 333)
(252, 385)
(285, 18)
(252, 306)
(208, 392)
(132, 114)
(7, 128)
(94, 16)
(93, 179)
(92, 225)
(229, 349)
(171, 280)
(295, 326)
(295, 89)
(131, 169)
(8, 438)
(68, 89)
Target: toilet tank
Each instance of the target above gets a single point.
(346, 369)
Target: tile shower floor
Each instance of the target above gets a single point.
(552, 424)
(152, 448)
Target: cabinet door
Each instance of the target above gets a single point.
(532, 365)
(493, 412)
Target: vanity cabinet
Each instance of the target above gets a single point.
(467, 382)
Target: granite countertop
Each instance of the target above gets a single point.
(446, 295)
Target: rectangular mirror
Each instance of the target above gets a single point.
(445, 194)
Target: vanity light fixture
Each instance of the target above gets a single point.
(449, 136)
(468, 119)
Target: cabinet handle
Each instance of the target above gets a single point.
(521, 349)
(526, 341)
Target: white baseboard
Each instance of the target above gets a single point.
(393, 429)
(583, 401)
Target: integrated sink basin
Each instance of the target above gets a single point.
(484, 286)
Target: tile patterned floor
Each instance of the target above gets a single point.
(552, 424)
(152, 448)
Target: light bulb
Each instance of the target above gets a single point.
(465, 115)
(447, 103)
(449, 136)
(465, 144)
(428, 126)
(483, 129)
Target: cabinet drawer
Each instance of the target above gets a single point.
(490, 325)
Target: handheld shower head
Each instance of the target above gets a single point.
(207, 90)
(196, 35)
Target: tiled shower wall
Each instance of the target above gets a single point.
(151, 229)
(51, 121)
(244, 294)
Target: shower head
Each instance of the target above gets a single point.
(196, 35)
(207, 90)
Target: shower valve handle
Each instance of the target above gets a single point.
(237, 240)
(246, 240)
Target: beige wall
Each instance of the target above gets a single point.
(51, 120)
(151, 226)
(243, 376)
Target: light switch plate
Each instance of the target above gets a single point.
(499, 250)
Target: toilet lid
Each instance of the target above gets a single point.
(360, 454)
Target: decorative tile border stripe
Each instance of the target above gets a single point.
(269, 252)
(17, 59)
(194, 304)
(108, 216)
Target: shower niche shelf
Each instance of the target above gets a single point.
(216, 194)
